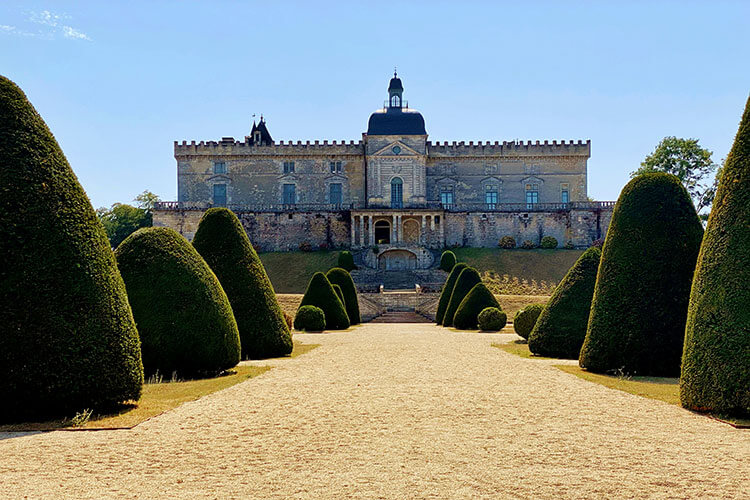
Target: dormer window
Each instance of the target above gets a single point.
(256, 137)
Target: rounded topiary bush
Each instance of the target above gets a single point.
(716, 358)
(447, 261)
(340, 277)
(445, 294)
(67, 337)
(549, 242)
(478, 299)
(465, 282)
(507, 242)
(492, 319)
(528, 245)
(340, 295)
(561, 328)
(525, 319)
(184, 318)
(320, 293)
(346, 261)
(223, 243)
(310, 318)
(639, 308)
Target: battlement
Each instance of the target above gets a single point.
(553, 148)
(230, 146)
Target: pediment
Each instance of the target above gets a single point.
(388, 150)
(532, 179)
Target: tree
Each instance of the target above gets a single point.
(67, 336)
(687, 160)
(716, 357)
(121, 220)
(146, 201)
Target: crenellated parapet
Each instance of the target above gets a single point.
(509, 148)
(228, 146)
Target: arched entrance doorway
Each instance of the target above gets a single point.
(382, 232)
(411, 232)
(397, 260)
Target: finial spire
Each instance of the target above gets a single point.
(394, 72)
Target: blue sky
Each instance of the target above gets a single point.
(118, 82)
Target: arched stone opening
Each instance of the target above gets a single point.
(397, 260)
(382, 232)
(411, 232)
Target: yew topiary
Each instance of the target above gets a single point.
(310, 318)
(223, 243)
(639, 308)
(492, 319)
(184, 317)
(445, 294)
(346, 261)
(67, 337)
(343, 279)
(716, 358)
(340, 295)
(525, 319)
(478, 299)
(320, 293)
(507, 242)
(561, 328)
(447, 261)
(465, 282)
(548, 242)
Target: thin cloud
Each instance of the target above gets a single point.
(51, 25)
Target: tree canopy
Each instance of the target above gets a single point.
(121, 219)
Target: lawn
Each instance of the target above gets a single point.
(539, 265)
(290, 271)
(156, 399)
(519, 348)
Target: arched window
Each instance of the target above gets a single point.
(395, 101)
(397, 193)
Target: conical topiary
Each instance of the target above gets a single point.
(465, 282)
(561, 328)
(478, 298)
(340, 295)
(716, 359)
(223, 243)
(321, 294)
(184, 318)
(445, 295)
(67, 337)
(346, 261)
(639, 308)
(526, 318)
(447, 261)
(342, 278)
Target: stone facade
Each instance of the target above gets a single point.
(393, 189)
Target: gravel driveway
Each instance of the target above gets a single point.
(395, 411)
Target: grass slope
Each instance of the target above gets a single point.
(290, 271)
(538, 264)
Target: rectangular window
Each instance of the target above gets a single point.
(335, 197)
(446, 196)
(564, 192)
(289, 194)
(288, 167)
(220, 195)
(335, 167)
(490, 198)
(220, 167)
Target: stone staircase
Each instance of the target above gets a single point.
(369, 280)
(400, 317)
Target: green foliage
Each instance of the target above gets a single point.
(492, 319)
(310, 318)
(67, 336)
(716, 357)
(561, 328)
(549, 242)
(507, 242)
(223, 243)
(525, 319)
(340, 295)
(447, 261)
(639, 308)
(184, 318)
(122, 220)
(343, 279)
(465, 282)
(346, 261)
(478, 299)
(445, 294)
(687, 160)
(321, 294)
(528, 245)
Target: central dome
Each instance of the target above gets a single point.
(396, 121)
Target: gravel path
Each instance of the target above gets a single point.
(395, 411)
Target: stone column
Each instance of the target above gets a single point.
(371, 227)
(353, 238)
(422, 235)
(400, 229)
(394, 229)
(361, 231)
(442, 231)
(432, 222)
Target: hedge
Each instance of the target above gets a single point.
(561, 328)
(639, 308)
(343, 279)
(445, 294)
(310, 318)
(67, 337)
(478, 299)
(548, 242)
(184, 317)
(321, 294)
(492, 319)
(716, 358)
(223, 243)
(525, 319)
(447, 261)
(465, 282)
(340, 295)
(346, 261)
(507, 242)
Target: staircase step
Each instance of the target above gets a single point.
(400, 317)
